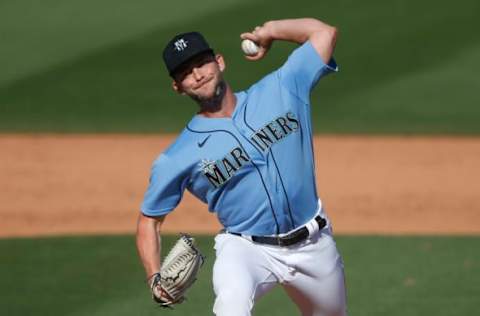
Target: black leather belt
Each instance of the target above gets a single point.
(291, 239)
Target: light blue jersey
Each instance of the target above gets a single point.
(256, 169)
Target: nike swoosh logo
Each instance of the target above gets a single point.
(200, 144)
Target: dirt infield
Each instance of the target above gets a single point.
(89, 184)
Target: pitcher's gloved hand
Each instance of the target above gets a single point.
(177, 274)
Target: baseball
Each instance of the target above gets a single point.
(249, 47)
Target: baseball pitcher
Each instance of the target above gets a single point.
(249, 156)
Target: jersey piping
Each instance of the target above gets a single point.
(276, 167)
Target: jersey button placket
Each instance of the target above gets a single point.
(261, 161)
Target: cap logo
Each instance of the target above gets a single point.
(180, 45)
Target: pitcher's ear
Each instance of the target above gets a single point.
(221, 62)
(176, 87)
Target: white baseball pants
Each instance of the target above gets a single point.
(311, 272)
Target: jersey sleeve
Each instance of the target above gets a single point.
(303, 69)
(166, 186)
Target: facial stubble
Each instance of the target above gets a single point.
(214, 103)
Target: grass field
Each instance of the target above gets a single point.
(406, 66)
(404, 276)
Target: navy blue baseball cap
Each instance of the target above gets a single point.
(182, 48)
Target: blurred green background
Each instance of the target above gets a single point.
(95, 66)
(407, 67)
(102, 276)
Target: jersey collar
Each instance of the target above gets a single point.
(203, 124)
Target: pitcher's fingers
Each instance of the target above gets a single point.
(249, 36)
(258, 56)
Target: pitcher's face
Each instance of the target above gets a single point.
(200, 77)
